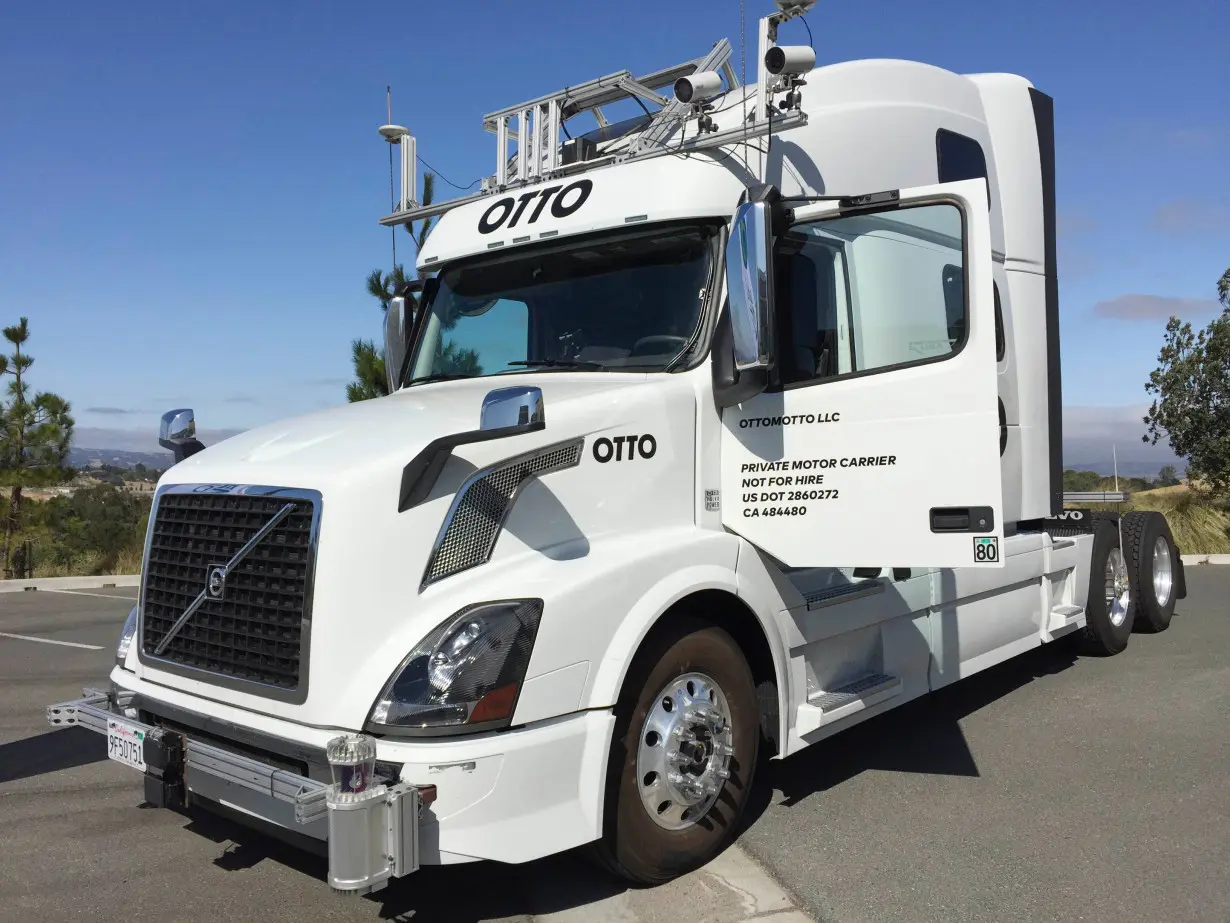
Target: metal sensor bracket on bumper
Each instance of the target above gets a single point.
(372, 835)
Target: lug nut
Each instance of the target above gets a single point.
(676, 778)
(722, 774)
(673, 756)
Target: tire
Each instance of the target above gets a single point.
(634, 844)
(1152, 565)
(1108, 625)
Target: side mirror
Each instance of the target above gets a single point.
(177, 432)
(396, 324)
(504, 408)
(749, 287)
(399, 324)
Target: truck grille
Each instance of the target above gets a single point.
(256, 630)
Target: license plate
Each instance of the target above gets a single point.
(126, 744)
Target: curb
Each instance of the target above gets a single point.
(1205, 558)
(70, 583)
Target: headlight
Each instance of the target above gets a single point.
(130, 629)
(465, 675)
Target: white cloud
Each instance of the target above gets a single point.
(136, 440)
(1183, 216)
(1155, 307)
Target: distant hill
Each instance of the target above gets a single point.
(84, 457)
(1127, 469)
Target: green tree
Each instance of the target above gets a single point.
(370, 380)
(1168, 476)
(35, 432)
(1192, 395)
(1081, 480)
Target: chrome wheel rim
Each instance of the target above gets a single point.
(1163, 571)
(683, 754)
(1118, 590)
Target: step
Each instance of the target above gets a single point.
(1063, 616)
(826, 706)
(846, 592)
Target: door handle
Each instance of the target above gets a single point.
(962, 519)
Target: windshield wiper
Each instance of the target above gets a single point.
(557, 364)
(439, 376)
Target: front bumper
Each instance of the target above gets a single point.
(510, 796)
(369, 840)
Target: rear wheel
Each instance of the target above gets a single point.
(1109, 610)
(686, 738)
(1151, 559)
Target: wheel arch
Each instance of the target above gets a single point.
(710, 594)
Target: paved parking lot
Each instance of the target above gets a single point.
(1049, 788)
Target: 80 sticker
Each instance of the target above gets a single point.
(986, 549)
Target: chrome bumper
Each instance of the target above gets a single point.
(370, 840)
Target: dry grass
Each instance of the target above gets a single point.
(1200, 524)
(92, 565)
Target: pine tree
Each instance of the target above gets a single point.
(35, 433)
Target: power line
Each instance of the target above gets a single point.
(446, 179)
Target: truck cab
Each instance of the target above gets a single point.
(707, 438)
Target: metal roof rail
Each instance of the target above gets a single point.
(534, 125)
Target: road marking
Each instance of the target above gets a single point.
(88, 647)
(131, 599)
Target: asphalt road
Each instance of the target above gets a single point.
(1049, 788)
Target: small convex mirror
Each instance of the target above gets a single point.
(749, 287)
(178, 427)
(509, 407)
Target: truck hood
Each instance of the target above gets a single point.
(368, 607)
(342, 445)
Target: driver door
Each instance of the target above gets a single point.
(876, 437)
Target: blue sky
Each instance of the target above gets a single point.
(189, 194)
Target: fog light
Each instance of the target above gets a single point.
(352, 760)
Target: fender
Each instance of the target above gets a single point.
(610, 674)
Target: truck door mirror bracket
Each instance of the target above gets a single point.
(505, 412)
(730, 386)
(177, 433)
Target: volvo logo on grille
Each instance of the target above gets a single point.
(216, 584)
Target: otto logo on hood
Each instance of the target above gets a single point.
(511, 210)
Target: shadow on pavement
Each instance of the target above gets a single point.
(923, 736)
(467, 893)
(62, 748)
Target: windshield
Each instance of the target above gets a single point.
(623, 303)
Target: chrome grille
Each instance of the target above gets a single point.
(477, 514)
(256, 633)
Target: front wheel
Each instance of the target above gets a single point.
(681, 764)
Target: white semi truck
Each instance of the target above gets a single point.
(711, 434)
